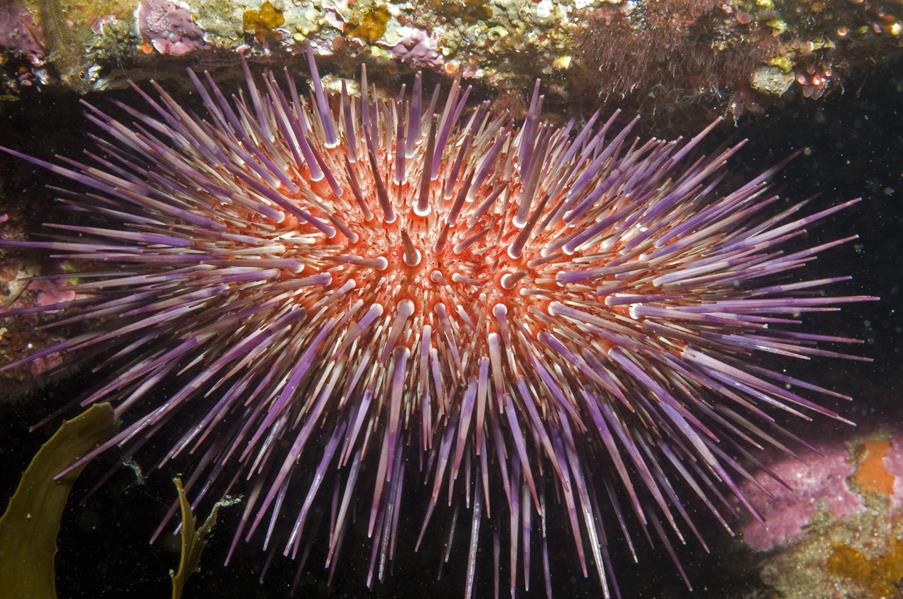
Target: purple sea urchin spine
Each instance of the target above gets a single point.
(338, 292)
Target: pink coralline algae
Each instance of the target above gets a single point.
(169, 27)
(815, 484)
(833, 485)
(46, 363)
(51, 291)
(418, 49)
(18, 33)
(44, 293)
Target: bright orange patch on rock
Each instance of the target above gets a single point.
(871, 474)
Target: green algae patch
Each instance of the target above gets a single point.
(193, 540)
(29, 527)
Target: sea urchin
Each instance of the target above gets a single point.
(327, 297)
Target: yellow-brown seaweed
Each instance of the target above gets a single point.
(193, 540)
(31, 522)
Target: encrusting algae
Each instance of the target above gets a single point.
(263, 21)
(878, 575)
(368, 22)
(835, 529)
(872, 475)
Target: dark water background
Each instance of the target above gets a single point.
(853, 147)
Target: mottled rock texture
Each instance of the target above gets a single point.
(665, 58)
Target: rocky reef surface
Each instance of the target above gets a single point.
(832, 525)
(652, 56)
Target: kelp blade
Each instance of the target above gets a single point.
(193, 540)
(29, 527)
